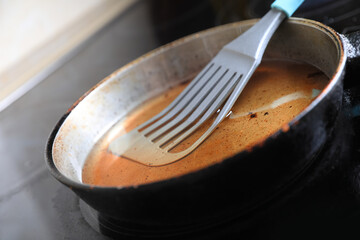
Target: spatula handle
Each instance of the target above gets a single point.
(287, 6)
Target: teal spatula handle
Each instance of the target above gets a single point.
(287, 6)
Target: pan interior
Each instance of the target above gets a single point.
(156, 72)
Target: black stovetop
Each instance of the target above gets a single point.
(324, 203)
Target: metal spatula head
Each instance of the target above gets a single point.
(220, 82)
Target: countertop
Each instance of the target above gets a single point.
(38, 34)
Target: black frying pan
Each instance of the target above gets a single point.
(224, 191)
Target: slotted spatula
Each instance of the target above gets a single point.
(222, 79)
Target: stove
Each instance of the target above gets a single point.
(323, 203)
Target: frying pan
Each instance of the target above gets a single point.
(221, 192)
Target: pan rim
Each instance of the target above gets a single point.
(84, 186)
